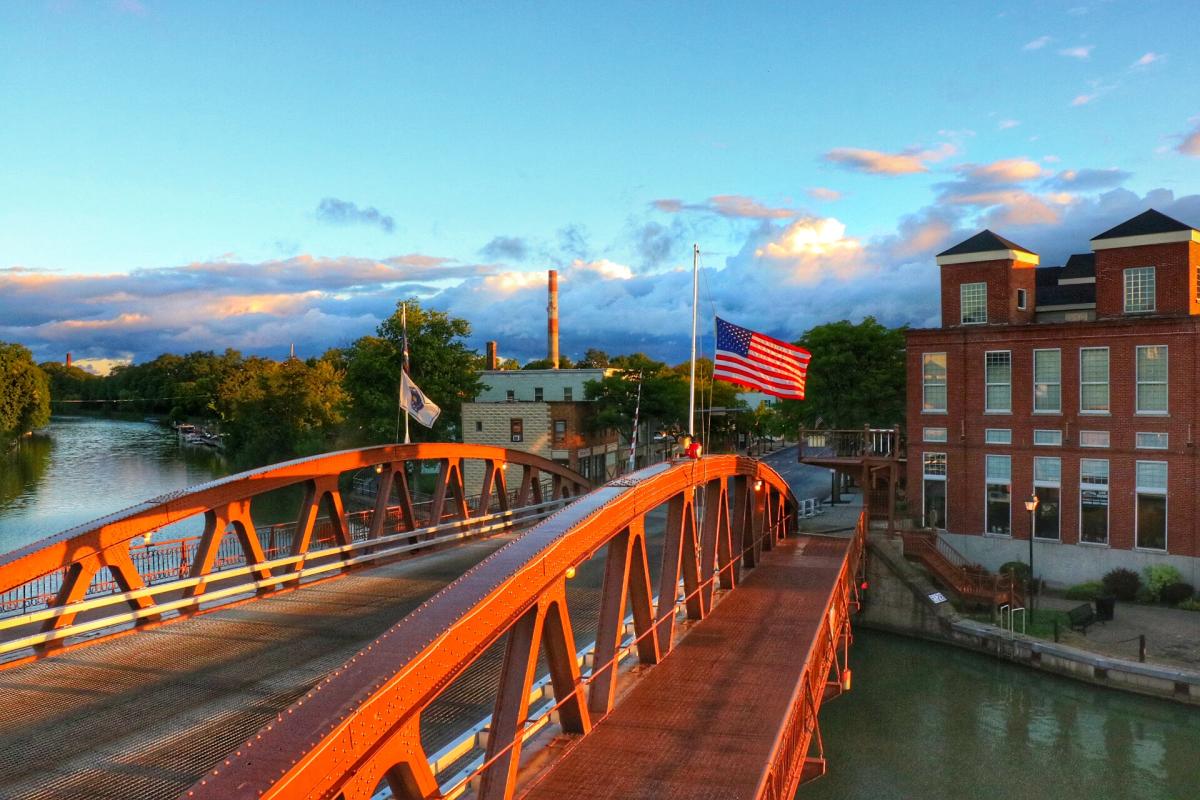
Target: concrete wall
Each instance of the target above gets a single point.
(524, 383)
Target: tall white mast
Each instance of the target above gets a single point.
(692, 382)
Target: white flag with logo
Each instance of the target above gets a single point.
(420, 407)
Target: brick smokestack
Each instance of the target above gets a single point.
(68, 359)
(492, 361)
(552, 322)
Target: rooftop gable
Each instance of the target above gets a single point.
(1148, 223)
(983, 242)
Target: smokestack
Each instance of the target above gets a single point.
(552, 323)
(68, 359)
(492, 361)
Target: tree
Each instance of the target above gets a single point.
(593, 359)
(615, 397)
(441, 364)
(545, 363)
(24, 393)
(856, 376)
(273, 411)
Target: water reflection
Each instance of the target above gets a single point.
(925, 721)
(22, 469)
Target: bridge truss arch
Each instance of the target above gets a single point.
(107, 576)
(361, 726)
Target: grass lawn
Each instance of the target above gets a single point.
(1039, 625)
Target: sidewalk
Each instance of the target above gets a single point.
(1172, 635)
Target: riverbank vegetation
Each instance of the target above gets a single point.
(347, 396)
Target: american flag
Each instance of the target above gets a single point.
(760, 362)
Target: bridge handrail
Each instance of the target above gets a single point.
(83, 552)
(361, 724)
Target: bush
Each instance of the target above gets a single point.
(1019, 570)
(1158, 576)
(1122, 584)
(1085, 591)
(1191, 604)
(1175, 593)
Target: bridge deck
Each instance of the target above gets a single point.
(702, 723)
(144, 716)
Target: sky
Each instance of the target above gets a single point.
(185, 176)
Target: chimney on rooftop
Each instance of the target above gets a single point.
(68, 359)
(492, 361)
(552, 323)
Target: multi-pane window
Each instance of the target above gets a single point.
(973, 303)
(935, 435)
(537, 394)
(934, 470)
(997, 367)
(1047, 381)
(1152, 505)
(1093, 501)
(560, 430)
(999, 495)
(568, 394)
(1095, 438)
(1093, 379)
(1047, 438)
(516, 429)
(1139, 289)
(1152, 379)
(1047, 487)
(998, 436)
(1151, 441)
(933, 382)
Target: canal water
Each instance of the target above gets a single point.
(78, 469)
(932, 722)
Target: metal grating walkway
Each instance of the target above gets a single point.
(144, 716)
(701, 724)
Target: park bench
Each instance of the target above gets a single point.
(1081, 616)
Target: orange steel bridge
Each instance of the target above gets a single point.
(668, 623)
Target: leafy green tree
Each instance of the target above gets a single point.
(614, 398)
(70, 383)
(856, 376)
(273, 411)
(441, 364)
(24, 393)
(545, 363)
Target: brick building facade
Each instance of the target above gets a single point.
(1076, 384)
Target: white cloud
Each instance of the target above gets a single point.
(822, 193)
(1082, 52)
(1038, 43)
(876, 162)
(1190, 146)
(1084, 99)
(1147, 60)
(1006, 124)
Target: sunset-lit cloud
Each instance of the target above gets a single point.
(876, 162)
(733, 206)
(824, 194)
(1190, 146)
(1006, 170)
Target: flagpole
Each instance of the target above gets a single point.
(692, 380)
(404, 325)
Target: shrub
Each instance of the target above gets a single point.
(1175, 593)
(1019, 570)
(1122, 584)
(1158, 576)
(1191, 604)
(1085, 591)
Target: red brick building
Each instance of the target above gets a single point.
(1077, 384)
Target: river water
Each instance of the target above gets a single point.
(80, 468)
(932, 722)
(923, 721)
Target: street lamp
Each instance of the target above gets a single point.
(1031, 506)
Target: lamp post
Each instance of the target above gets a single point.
(1031, 506)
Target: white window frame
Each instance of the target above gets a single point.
(945, 384)
(1166, 441)
(1022, 299)
(1036, 443)
(987, 480)
(987, 384)
(1048, 484)
(1036, 382)
(997, 436)
(962, 303)
(1158, 492)
(932, 435)
(1130, 277)
(1107, 382)
(1107, 439)
(1107, 506)
(1137, 397)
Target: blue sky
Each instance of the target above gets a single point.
(183, 176)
